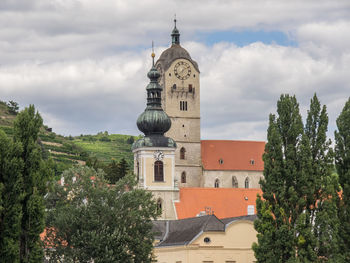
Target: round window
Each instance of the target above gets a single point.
(207, 240)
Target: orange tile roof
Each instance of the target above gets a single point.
(224, 202)
(236, 155)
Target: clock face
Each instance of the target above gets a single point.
(182, 70)
(158, 155)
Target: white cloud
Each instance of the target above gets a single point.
(84, 63)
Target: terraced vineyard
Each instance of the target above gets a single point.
(68, 151)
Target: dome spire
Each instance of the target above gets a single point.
(153, 121)
(175, 35)
(153, 55)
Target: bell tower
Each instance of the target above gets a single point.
(154, 154)
(179, 77)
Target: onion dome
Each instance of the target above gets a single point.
(154, 122)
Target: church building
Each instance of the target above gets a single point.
(171, 156)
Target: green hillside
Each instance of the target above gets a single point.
(67, 151)
(107, 147)
(6, 116)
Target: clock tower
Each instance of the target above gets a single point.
(154, 154)
(179, 78)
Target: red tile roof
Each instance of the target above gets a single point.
(224, 202)
(235, 155)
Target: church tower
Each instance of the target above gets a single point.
(154, 154)
(179, 77)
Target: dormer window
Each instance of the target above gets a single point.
(252, 162)
(221, 161)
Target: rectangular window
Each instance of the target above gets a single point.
(183, 105)
(190, 88)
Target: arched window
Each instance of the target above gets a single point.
(217, 183)
(159, 205)
(138, 170)
(246, 183)
(182, 153)
(234, 182)
(183, 177)
(158, 171)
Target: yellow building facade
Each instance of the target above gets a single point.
(207, 240)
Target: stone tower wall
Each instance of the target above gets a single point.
(185, 127)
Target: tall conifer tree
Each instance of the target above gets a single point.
(35, 176)
(299, 191)
(280, 206)
(11, 189)
(321, 194)
(342, 161)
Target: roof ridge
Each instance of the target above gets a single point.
(232, 141)
(219, 189)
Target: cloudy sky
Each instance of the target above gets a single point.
(83, 63)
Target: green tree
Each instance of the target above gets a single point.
(130, 140)
(115, 171)
(342, 161)
(90, 220)
(318, 223)
(323, 187)
(95, 163)
(36, 173)
(13, 107)
(11, 189)
(279, 209)
(297, 217)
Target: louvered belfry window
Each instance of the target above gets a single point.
(158, 171)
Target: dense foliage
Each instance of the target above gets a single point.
(91, 220)
(342, 160)
(23, 184)
(297, 219)
(11, 196)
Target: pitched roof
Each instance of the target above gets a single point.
(235, 155)
(223, 202)
(182, 232)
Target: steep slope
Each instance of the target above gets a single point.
(68, 151)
